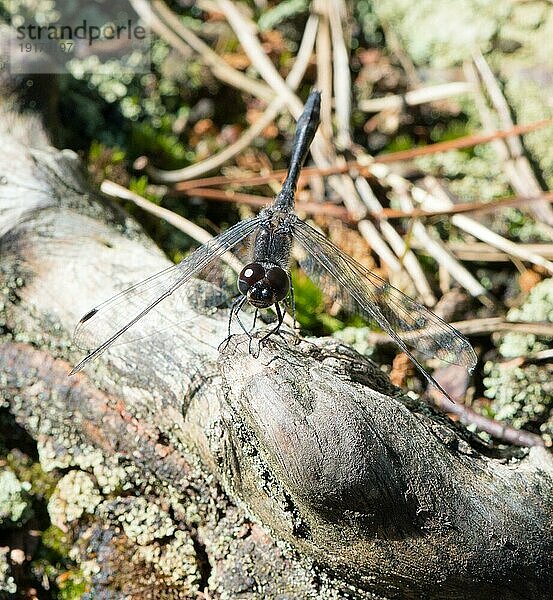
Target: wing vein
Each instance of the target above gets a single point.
(105, 319)
(404, 320)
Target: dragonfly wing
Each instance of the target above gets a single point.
(407, 322)
(110, 322)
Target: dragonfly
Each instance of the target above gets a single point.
(265, 281)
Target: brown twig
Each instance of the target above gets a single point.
(388, 213)
(466, 207)
(463, 142)
(497, 429)
(313, 208)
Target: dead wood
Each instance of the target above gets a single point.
(300, 473)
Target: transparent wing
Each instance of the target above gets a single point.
(407, 322)
(110, 322)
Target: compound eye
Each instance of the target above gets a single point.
(249, 275)
(279, 281)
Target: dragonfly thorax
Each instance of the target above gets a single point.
(263, 285)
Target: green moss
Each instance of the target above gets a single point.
(161, 143)
(41, 484)
(451, 129)
(72, 585)
(52, 562)
(141, 186)
(478, 176)
(518, 225)
(399, 143)
(105, 162)
(311, 313)
(55, 541)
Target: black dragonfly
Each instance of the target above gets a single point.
(265, 281)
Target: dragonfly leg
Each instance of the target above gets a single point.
(234, 310)
(254, 320)
(293, 308)
(292, 303)
(248, 333)
(235, 302)
(280, 316)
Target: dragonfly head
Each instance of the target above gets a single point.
(262, 286)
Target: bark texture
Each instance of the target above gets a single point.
(302, 473)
